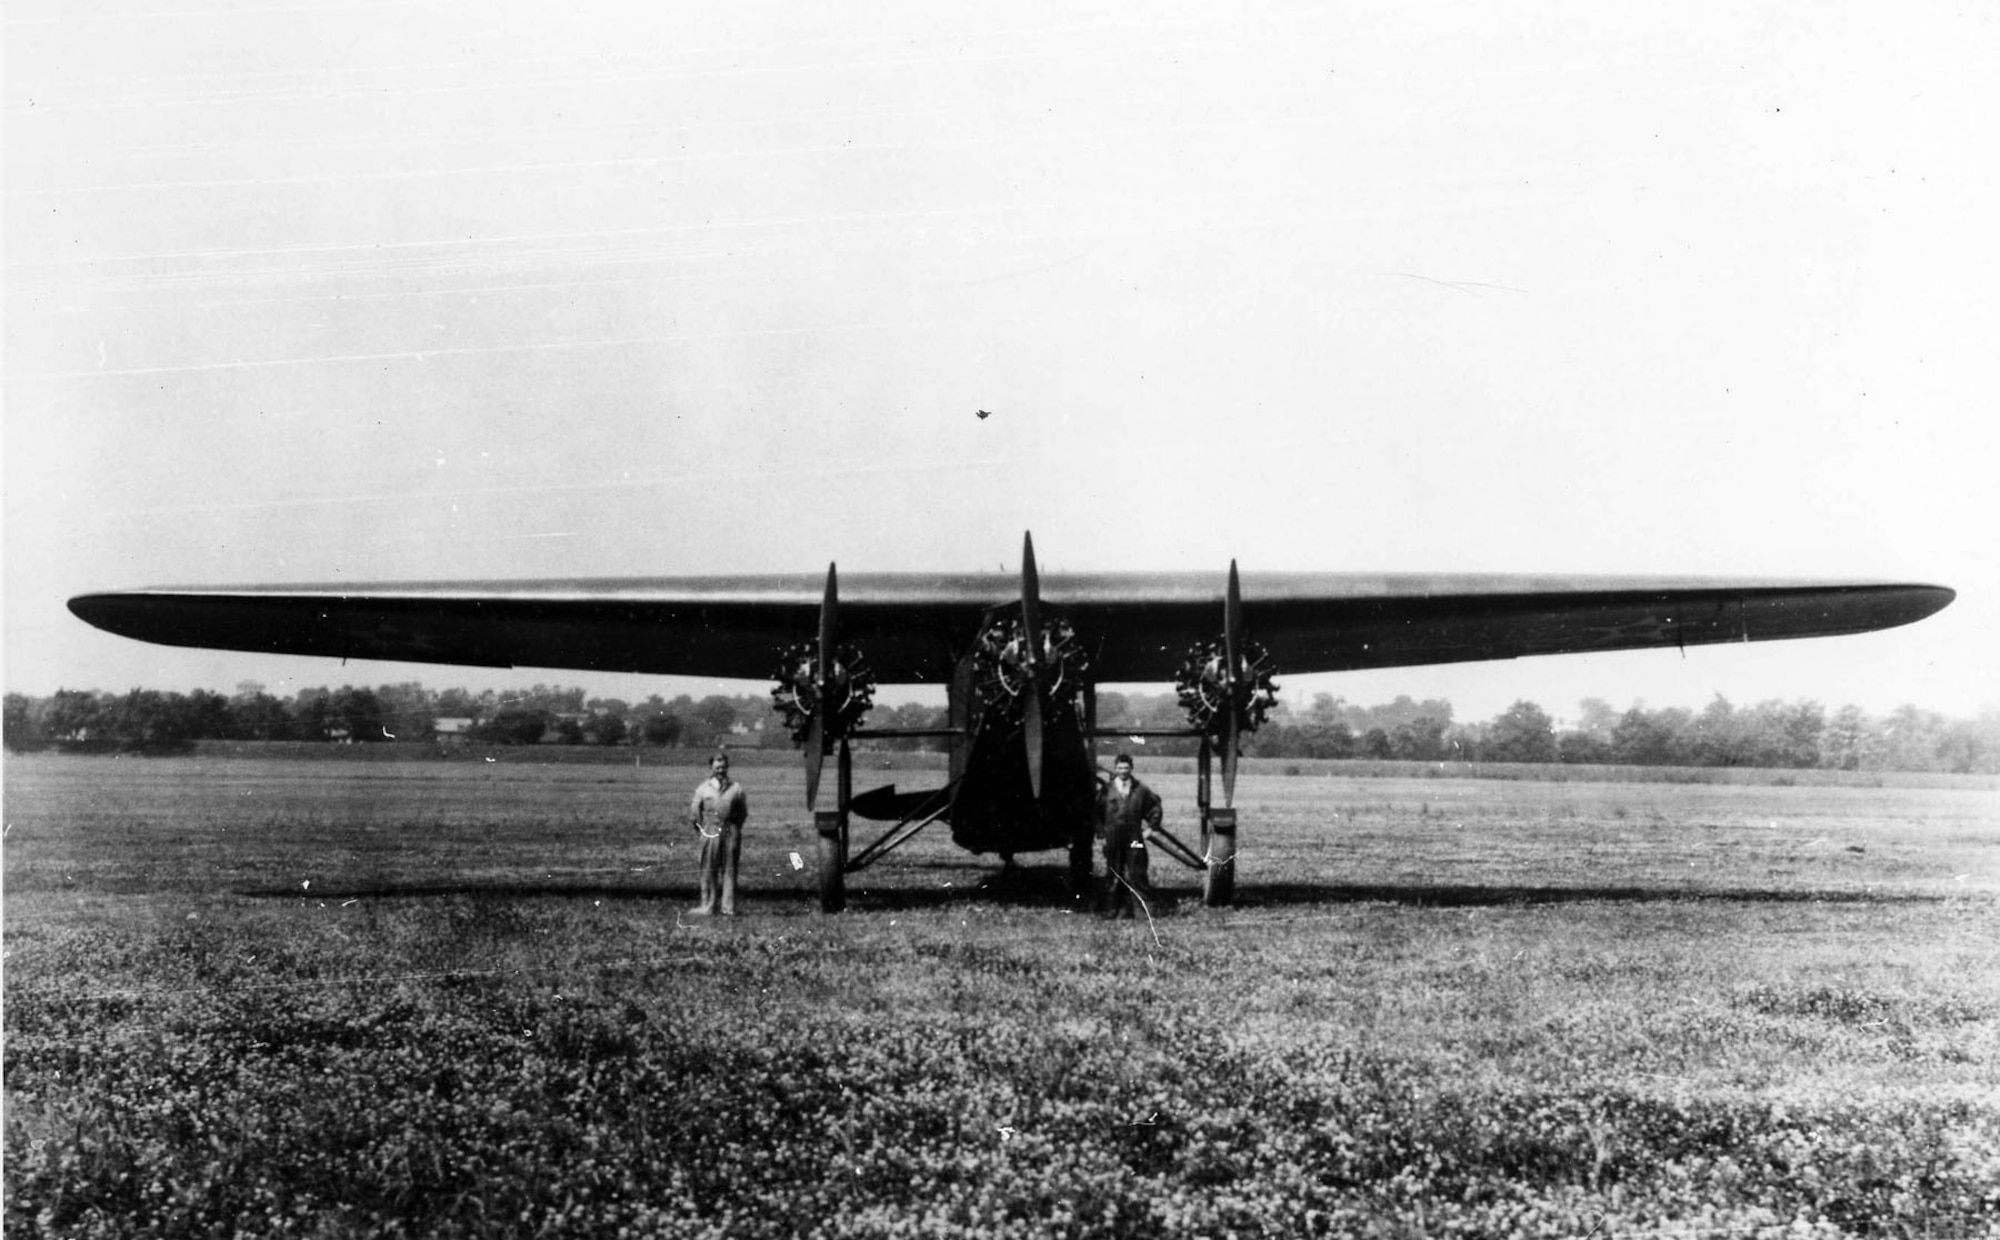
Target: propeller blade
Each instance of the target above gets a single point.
(1031, 602)
(1232, 627)
(1229, 737)
(822, 721)
(1031, 736)
(815, 752)
(1031, 634)
(1232, 643)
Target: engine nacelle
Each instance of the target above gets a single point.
(1004, 673)
(1205, 687)
(850, 686)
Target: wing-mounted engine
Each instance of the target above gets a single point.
(824, 690)
(1209, 691)
(1226, 686)
(849, 692)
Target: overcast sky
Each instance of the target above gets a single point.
(366, 291)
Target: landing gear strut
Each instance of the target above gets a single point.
(1218, 839)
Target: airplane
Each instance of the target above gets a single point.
(1021, 660)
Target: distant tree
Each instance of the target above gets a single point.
(1846, 740)
(1375, 744)
(1912, 740)
(1521, 733)
(1462, 741)
(1713, 738)
(358, 712)
(1769, 734)
(1643, 739)
(210, 716)
(260, 717)
(1305, 740)
(568, 731)
(311, 712)
(457, 704)
(1595, 717)
(74, 715)
(555, 699)
(1404, 710)
(513, 725)
(1971, 745)
(716, 712)
(23, 725)
(660, 726)
(149, 721)
(1581, 748)
(409, 711)
(1325, 711)
(1783, 734)
(1420, 739)
(606, 727)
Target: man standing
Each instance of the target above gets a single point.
(1126, 811)
(717, 813)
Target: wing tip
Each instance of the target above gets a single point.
(1928, 600)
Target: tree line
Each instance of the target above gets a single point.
(1794, 735)
(155, 721)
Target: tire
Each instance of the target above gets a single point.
(832, 862)
(1218, 844)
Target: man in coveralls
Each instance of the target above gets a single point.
(717, 813)
(1126, 811)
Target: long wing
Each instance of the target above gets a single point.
(1138, 626)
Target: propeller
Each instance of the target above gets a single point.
(1031, 625)
(822, 718)
(1232, 719)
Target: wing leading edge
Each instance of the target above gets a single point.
(913, 628)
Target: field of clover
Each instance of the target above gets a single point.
(315, 999)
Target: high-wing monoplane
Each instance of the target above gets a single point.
(1021, 659)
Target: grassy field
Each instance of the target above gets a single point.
(312, 998)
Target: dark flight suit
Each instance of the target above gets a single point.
(718, 811)
(1122, 821)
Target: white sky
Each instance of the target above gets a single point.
(310, 292)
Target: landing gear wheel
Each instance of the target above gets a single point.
(1218, 846)
(832, 861)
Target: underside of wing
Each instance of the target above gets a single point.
(1467, 625)
(1137, 627)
